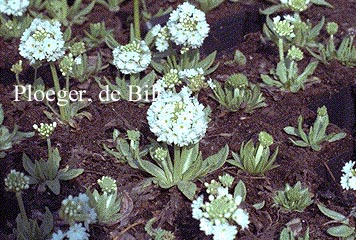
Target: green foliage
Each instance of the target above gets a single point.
(293, 198)
(255, 160)
(158, 233)
(7, 138)
(343, 231)
(239, 59)
(106, 205)
(30, 230)
(13, 28)
(83, 71)
(126, 150)
(279, 7)
(317, 133)
(47, 173)
(208, 5)
(183, 168)
(98, 34)
(112, 5)
(287, 234)
(68, 15)
(305, 34)
(238, 94)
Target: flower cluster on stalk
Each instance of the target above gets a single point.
(13, 7)
(283, 28)
(177, 118)
(348, 179)
(16, 181)
(133, 57)
(43, 40)
(219, 214)
(195, 78)
(296, 5)
(45, 130)
(75, 232)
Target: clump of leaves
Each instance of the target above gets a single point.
(126, 150)
(239, 59)
(98, 34)
(208, 5)
(255, 160)
(344, 230)
(296, 6)
(107, 205)
(158, 233)
(14, 28)
(317, 133)
(7, 138)
(293, 198)
(287, 234)
(47, 173)
(238, 94)
(112, 5)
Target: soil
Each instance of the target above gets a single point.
(82, 147)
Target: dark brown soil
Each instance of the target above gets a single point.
(82, 147)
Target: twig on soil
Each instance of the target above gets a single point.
(328, 169)
(128, 228)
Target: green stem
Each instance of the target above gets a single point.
(18, 79)
(137, 19)
(281, 50)
(67, 85)
(49, 146)
(57, 89)
(21, 206)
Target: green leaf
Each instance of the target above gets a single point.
(272, 9)
(291, 131)
(28, 165)
(299, 143)
(47, 223)
(322, 3)
(240, 190)
(343, 231)
(333, 215)
(54, 185)
(70, 174)
(259, 206)
(187, 188)
(337, 137)
(1, 115)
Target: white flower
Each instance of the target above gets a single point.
(133, 57)
(296, 5)
(43, 40)
(241, 218)
(161, 35)
(58, 235)
(352, 182)
(224, 232)
(211, 84)
(348, 167)
(283, 28)
(77, 232)
(206, 226)
(195, 78)
(177, 118)
(348, 179)
(197, 213)
(187, 26)
(13, 7)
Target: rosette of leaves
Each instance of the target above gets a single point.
(107, 205)
(126, 150)
(47, 172)
(255, 160)
(287, 234)
(344, 229)
(158, 233)
(238, 94)
(14, 28)
(181, 169)
(7, 138)
(68, 15)
(305, 34)
(83, 71)
(29, 229)
(98, 34)
(112, 5)
(293, 198)
(317, 133)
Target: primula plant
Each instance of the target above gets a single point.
(238, 94)
(348, 178)
(7, 138)
(223, 214)
(317, 133)
(255, 160)
(293, 198)
(288, 234)
(158, 233)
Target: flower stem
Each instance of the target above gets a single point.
(57, 89)
(281, 51)
(21, 206)
(49, 146)
(18, 79)
(137, 19)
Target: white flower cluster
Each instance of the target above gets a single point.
(45, 130)
(296, 5)
(348, 179)
(75, 232)
(283, 28)
(13, 7)
(177, 118)
(161, 35)
(42, 40)
(187, 26)
(133, 57)
(194, 78)
(77, 209)
(219, 212)
(16, 181)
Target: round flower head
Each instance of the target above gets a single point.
(187, 26)
(16, 181)
(107, 184)
(348, 179)
(283, 28)
(332, 27)
(295, 54)
(45, 130)
(195, 78)
(43, 40)
(177, 118)
(77, 231)
(296, 5)
(13, 7)
(133, 57)
(161, 35)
